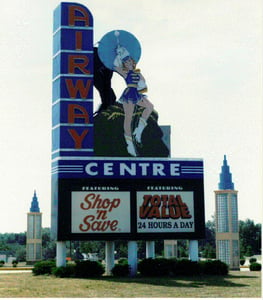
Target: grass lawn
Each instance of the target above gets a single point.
(236, 284)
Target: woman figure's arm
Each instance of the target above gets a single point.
(120, 71)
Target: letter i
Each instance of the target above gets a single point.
(78, 40)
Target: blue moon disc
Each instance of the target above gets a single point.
(109, 42)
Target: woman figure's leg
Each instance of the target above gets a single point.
(128, 108)
(148, 108)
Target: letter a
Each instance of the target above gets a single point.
(73, 115)
(74, 15)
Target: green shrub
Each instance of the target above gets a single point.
(154, 267)
(14, 263)
(214, 267)
(185, 267)
(2, 262)
(64, 272)
(123, 261)
(252, 260)
(43, 267)
(87, 269)
(121, 270)
(242, 261)
(255, 267)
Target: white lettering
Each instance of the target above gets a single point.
(140, 169)
(89, 171)
(174, 170)
(158, 169)
(144, 167)
(124, 168)
(108, 169)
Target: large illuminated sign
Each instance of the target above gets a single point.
(106, 198)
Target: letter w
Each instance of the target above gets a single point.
(79, 86)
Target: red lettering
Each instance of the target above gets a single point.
(101, 214)
(78, 43)
(89, 225)
(154, 213)
(86, 199)
(86, 222)
(146, 199)
(164, 199)
(156, 200)
(164, 214)
(163, 206)
(73, 89)
(179, 200)
(78, 62)
(172, 201)
(73, 115)
(78, 139)
(115, 203)
(185, 212)
(99, 203)
(144, 211)
(73, 15)
(174, 212)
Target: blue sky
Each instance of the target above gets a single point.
(202, 60)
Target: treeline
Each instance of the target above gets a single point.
(14, 244)
(249, 238)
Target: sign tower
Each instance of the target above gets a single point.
(134, 193)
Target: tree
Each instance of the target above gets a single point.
(21, 254)
(209, 251)
(48, 245)
(207, 246)
(250, 238)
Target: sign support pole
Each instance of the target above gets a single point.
(61, 254)
(150, 249)
(109, 256)
(132, 257)
(193, 250)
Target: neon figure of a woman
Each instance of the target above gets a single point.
(131, 96)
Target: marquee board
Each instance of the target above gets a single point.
(132, 199)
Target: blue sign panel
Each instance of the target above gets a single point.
(72, 95)
(129, 168)
(72, 92)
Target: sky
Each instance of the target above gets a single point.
(202, 60)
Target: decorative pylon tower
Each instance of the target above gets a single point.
(34, 232)
(227, 228)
